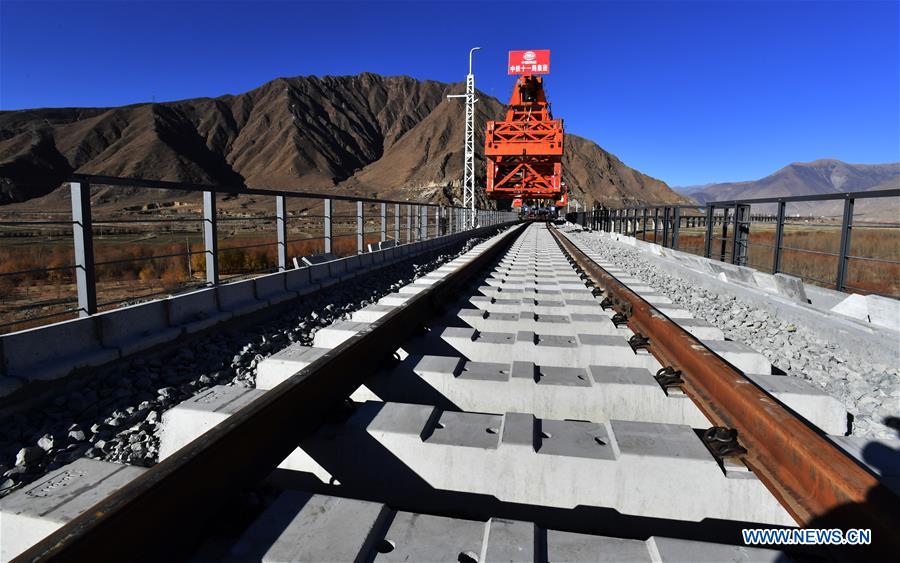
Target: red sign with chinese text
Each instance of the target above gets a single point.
(529, 62)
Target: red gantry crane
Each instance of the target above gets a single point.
(524, 151)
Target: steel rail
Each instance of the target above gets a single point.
(819, 484)
(174, 497)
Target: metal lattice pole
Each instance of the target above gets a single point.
(469, 152)
(469, 163)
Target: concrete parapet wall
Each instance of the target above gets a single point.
(785, 297)
(137, 327)
(57, 350)
(51, 352)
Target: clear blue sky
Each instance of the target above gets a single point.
(689, 92)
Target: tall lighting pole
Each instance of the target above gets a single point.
(469, 153)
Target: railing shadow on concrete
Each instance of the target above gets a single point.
(726, 233)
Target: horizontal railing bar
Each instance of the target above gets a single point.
(857, 225)
(39, 318)
(20, 223)
(145, 258)
(809, 251)
(38, 270)
(870, 292)
(221, 189)
(786, 199)
(304, 239)
(254, 218)
(873, 259)
(196, 219)
(224, 248)
(801, 276)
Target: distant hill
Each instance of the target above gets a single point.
(367, 135)
(826, 176)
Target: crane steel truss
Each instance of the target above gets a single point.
(524, 152)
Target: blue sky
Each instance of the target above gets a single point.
(689, 92)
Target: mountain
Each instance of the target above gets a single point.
(826, 176)
(367, 135)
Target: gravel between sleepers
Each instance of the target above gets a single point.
(112, 413)
(871, 392)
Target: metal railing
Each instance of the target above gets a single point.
(369, 220)
(726, 233)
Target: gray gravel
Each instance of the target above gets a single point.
(112, 413)
(871, 392)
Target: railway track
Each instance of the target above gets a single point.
(519, 403)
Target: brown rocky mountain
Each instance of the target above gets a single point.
(366, 134)
(825, 176)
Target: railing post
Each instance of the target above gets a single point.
(360, 228)
(724, 241)
(655, 223)
(708, 223)
(676, 226)
(396, 223)
(437, 221)
(740, 235)
(644, 224)
(327, 234)
(665, 229)
(83, 234)
(408, 223)
(846, 226)
(281, 228)
(424, 209)
(383, 222)
(210, 238)
(779, 237)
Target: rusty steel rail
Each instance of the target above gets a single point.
(164, 506)
(819, 484)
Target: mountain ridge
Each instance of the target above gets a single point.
(819, 177)
(767, 186)
(362, 134)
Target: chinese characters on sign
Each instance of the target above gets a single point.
(529, 62)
